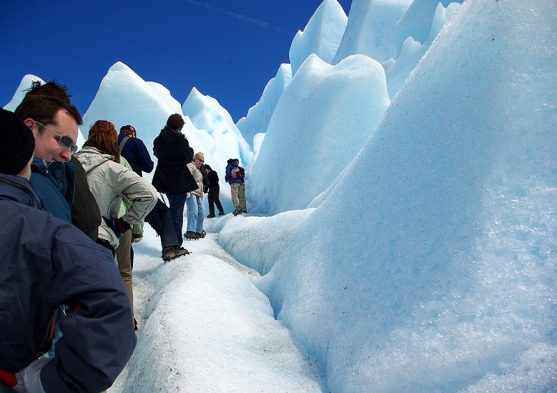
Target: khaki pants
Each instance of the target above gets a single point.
(123, 257)
(234, 193)
(242, 196)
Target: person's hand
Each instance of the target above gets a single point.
(118, 226)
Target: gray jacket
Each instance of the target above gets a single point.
(110, 182)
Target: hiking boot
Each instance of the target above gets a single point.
(240, 211)
(211, 216)
(170, 253)
(190, 235)
(181, 251)
(201, 234)
(221, 213)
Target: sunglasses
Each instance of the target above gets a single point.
(63, 140)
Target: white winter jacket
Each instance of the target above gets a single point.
(109, 182)
(198, 177)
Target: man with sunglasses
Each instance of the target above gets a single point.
(53, 120)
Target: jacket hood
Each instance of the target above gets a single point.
(91, 157)
(170, 136)
(18, 189)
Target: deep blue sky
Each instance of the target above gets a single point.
(228, 49)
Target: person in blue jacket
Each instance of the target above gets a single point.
(234, 175)
(45, 263)
(134, 151)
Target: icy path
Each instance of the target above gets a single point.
(205, 327)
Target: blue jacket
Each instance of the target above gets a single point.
(45, 262)
(54, 182)
(228, 176)
(135, 152)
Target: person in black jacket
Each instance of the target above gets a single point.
(214, 191)
(134, 151)
(172, 176)
(45, 263)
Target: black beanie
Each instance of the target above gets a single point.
(17, 144)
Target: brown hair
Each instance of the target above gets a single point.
(42, 102)
(175, 121)
(104, 137)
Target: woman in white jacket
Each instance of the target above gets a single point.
(109, 183)
(194, 200)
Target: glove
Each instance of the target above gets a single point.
(118, 226)
(29, 378)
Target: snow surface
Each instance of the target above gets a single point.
(207, 328)
(402, 244)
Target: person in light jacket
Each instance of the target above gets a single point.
(46, 263)
(194, 200)
(110, 182)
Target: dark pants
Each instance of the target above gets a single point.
(177, 202)
(162, 222)
(213, 199)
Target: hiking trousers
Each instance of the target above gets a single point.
(124, 259)
(235, 195)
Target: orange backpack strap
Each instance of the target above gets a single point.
(46, 345)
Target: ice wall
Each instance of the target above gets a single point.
(258, 117)
(371, 30)
(430, 264)
(125, 98)
(207, 114)
(321, 36)
(320, 123)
